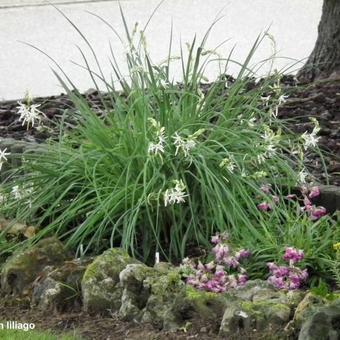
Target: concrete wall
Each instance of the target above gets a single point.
(293, 24)
(17, 3)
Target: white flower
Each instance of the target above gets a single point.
(261, 158)
(302, 176)
(282, 99)
(3, 157)
(251, 122)
(310, 139)
(184, 144)
(156, 148)
(16, 192)
(29, 113)
(270, 151)
(242, 314)
(176, 194)
(269, 135)
(229, 164)
(266, 99)
(19, 193)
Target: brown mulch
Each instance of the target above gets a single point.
(320, 100)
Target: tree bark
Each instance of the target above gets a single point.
(324, 61)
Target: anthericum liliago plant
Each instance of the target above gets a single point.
(166, 164)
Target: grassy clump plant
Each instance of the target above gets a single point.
(166, 164)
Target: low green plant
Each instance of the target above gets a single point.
(164, 164)
(12, 334)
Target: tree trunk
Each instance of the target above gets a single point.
(325, 58)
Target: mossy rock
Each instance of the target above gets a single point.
(323, 324)
(306, 308)
(206, 308)
(60, 288)
(101, 289)
(167, 293)
(245, 317)
(23, 267)
(135, 293)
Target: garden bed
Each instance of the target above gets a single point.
(244, 202)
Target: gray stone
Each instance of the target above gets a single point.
(246, 317)
(22, 268)
(324, 324)
(135, 294)
(101, 288)
(59, 289)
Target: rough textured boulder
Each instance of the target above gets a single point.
(323, 324)
(135, 293)
(60, 288)
(258, 307)
(23, 267)
(160, 297)
(101, 289)
(167, 292)
(306, 308)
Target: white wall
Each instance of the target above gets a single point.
(293, 23)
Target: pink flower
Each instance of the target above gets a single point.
(243, 253)
(242, 279)
(314, 192)
(317, 212)
(265, 188)
(276, 199)
(293, 255)
(221, 251)
(291, 197)
(215, 239)
(264, 206)
(307, 202)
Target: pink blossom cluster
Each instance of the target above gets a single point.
(314, 212)
(221, 274)
(288, 277)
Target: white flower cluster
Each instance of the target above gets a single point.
(3, 157)
(229, 164)
(20, 193)
(158, 148)
(29, 113)
(270, 139)
(310, 139)
(176, 194)
(183, 144)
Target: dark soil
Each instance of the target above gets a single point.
(96, 327)
(320, 100)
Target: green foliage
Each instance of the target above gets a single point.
(11, 334)
(109, 180)
(323, 291)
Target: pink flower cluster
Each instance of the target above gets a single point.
(288, 277)
(221, 274)
(314, 212)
